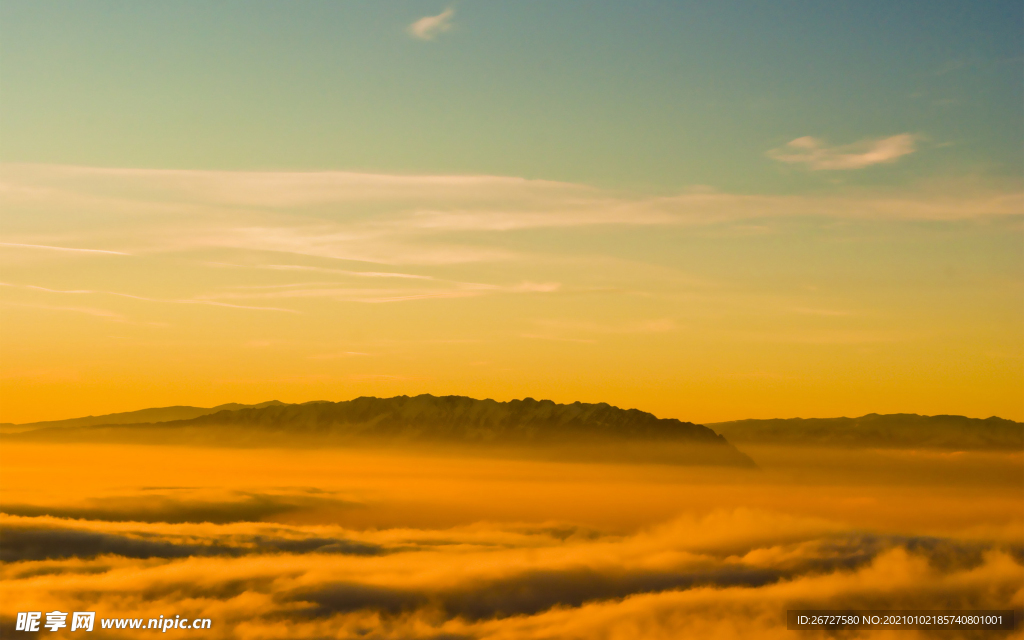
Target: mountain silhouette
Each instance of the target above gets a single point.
(158, 414)
(528, 426)
(899, 430)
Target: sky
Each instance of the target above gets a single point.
(709, 211)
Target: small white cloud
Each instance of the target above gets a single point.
(813, 152)
(427, 28)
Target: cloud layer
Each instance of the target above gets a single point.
(740, 549)
(494, 581)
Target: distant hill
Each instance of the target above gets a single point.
(900, 430)
(160, 414)
(530, 427)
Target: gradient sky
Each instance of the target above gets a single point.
(710, 211)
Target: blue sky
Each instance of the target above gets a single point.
(652, 96)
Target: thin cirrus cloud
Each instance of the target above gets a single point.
(366, 295)
(45, 247)
(352, 241)
(347, 272)
(327, 222)
(99, 313)
(813, 153)
(78, 292)
(660, 325)
(429, 27)
(399, 219)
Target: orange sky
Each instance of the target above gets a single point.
(125, 289)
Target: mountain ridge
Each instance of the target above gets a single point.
(139, 416)
(522, 422)
(431, 420)
(894, 430)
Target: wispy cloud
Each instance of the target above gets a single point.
(397, 219)
(284, 224)
(660, 325)
(346, 272)
(18, 245)
(343, 293)
(98, 313)
(356, 241)
(142, 298)
(568, 214)
(428, 27)
(568, 331)
(813, 152)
